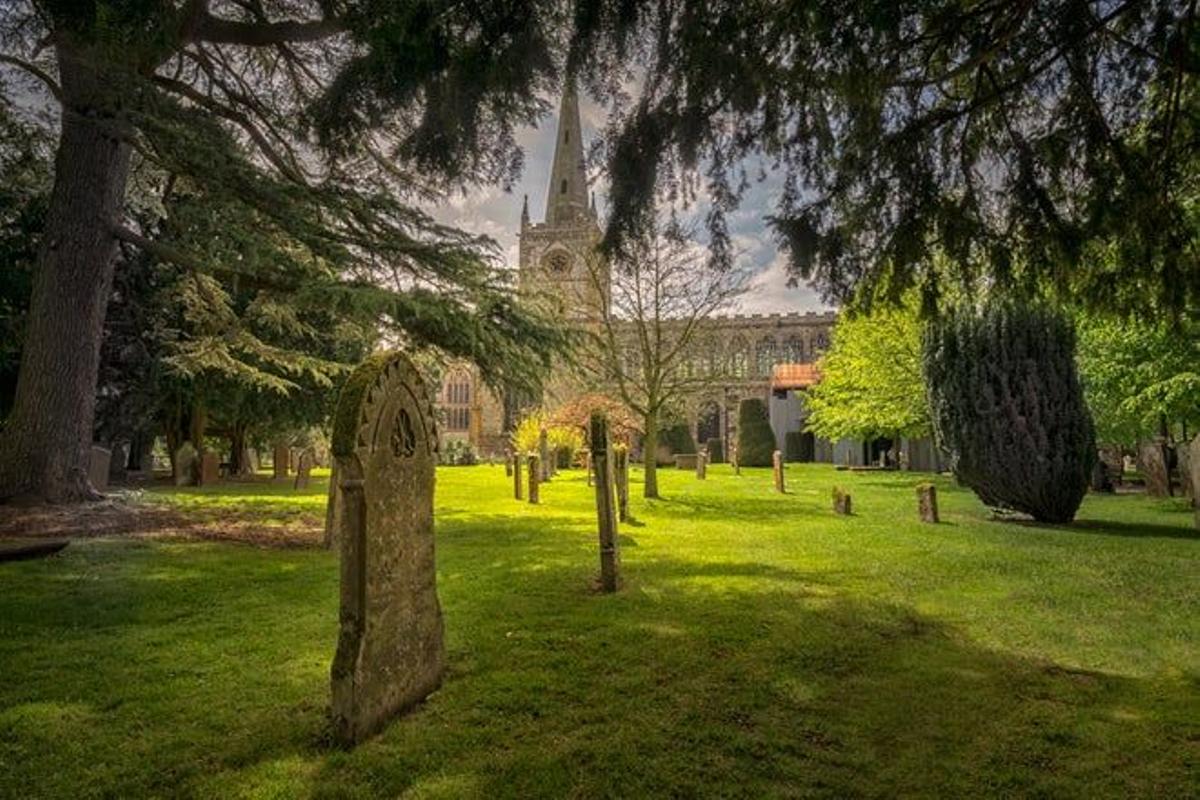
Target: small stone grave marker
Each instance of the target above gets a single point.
(777, 468)
(927, 502)
(841, 501)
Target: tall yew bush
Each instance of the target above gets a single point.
(756, 439)
(1008, 408)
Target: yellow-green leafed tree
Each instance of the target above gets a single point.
(871, 381)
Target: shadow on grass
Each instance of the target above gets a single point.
(699, 679)
(1119, 528)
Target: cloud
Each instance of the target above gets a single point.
(770, 294)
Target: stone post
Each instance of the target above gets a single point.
(777, 465)
(841, 501)
(702, 464)
(535, 476)
(514, 469)
(621, 456)
(606, 517)
(927, 502)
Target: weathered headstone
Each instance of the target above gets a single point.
(1099, 481)
(927, 508)
(737, 464)
(209, 473)
(686, 460)
(185, 465)
(283, 461)
(303, 470)
(331, 509)
(841, 501)
(1194, 460)
(508, 466)
(117, 465)
(777, 468)
(99, 464)
(1114, 463)
(544, 455)
(516, 475)
(1183, 461)
(621, 461)
(391, 652)
(701, 465)
(535, 477)
(606, 513)
(1153, 457)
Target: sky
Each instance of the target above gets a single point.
(493, 212)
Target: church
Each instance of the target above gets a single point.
(768, 356)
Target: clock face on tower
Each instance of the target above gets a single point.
(557, 262)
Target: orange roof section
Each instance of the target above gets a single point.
(794, 376)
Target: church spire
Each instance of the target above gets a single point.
(567, 199)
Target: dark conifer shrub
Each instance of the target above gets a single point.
(678, 437)
(716, 451)
(756, 440)
(1007, 407)
(793, 446)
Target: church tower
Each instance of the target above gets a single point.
(557, 255)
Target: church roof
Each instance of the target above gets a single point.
(794, 376)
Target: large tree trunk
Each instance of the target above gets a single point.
(650, 455)
(47, 439)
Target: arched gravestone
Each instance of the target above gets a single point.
(390, 651)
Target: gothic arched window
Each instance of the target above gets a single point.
(765, 355)
(739, 356)
(456, 399)
(793, 350)
(820, 344)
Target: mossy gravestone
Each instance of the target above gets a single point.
(390, 652)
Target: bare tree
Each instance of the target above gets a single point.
(649, 324)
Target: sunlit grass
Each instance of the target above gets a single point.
(761, 646)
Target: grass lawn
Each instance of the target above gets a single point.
(761, 647)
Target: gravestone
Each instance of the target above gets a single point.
(283, 461)
(686, 460)
(391, 651)
(841, 501)
(209, 473)
(516, 475)
(587, 464)
(1153, 458)
(508, 466)
(544, 455)
(535, 477)
(1114, 463)
(927, 508)
(331, 509)
(701, 465)
(737, 465)
(1183, 461)
(606, 513)
(303, 470)
(185, 465)
(118, 463)
(621, 461)
(99, 463)
(777, 468)
(1194, 460)
(1100, 481)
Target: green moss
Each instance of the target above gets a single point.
(349, 405)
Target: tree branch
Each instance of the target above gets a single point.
(209, 28)
(35, 71)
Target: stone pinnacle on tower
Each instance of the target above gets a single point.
(567, 199)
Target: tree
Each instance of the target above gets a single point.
(756, 439)
(1019, 139)
(1008, 408)
(871, 378)
(653, 305)
(1140, 377)
(310, 127)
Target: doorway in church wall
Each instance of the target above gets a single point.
(708, 423)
